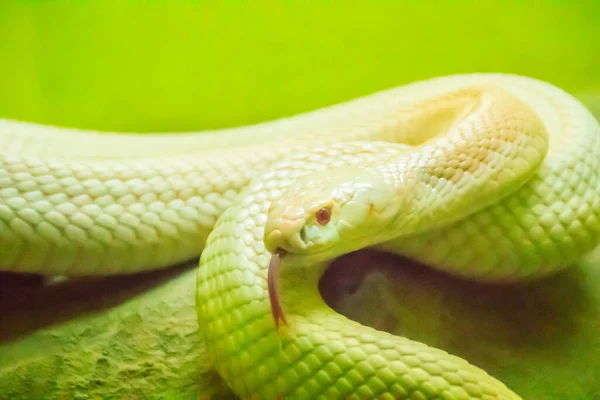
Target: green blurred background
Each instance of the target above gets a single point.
(159, 65)
(148, 65)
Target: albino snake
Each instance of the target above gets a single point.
(487, 176)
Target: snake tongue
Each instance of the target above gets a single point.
(272, 277)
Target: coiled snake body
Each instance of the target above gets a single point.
(487, 176)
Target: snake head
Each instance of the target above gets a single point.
(331, 212)
(323, 215)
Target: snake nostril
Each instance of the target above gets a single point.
(303, 233)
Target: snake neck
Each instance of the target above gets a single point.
(450, 177)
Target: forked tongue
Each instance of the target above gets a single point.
(272, 279)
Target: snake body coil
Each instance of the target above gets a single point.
(487, 176)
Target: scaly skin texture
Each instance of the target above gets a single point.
(84, 206)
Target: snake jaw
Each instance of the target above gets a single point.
(272, 277)
(289, 238)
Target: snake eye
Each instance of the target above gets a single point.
(323, 216)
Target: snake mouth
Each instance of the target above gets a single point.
(272, 279)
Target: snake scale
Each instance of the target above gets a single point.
(490, 177)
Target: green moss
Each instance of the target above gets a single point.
(133, 337)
